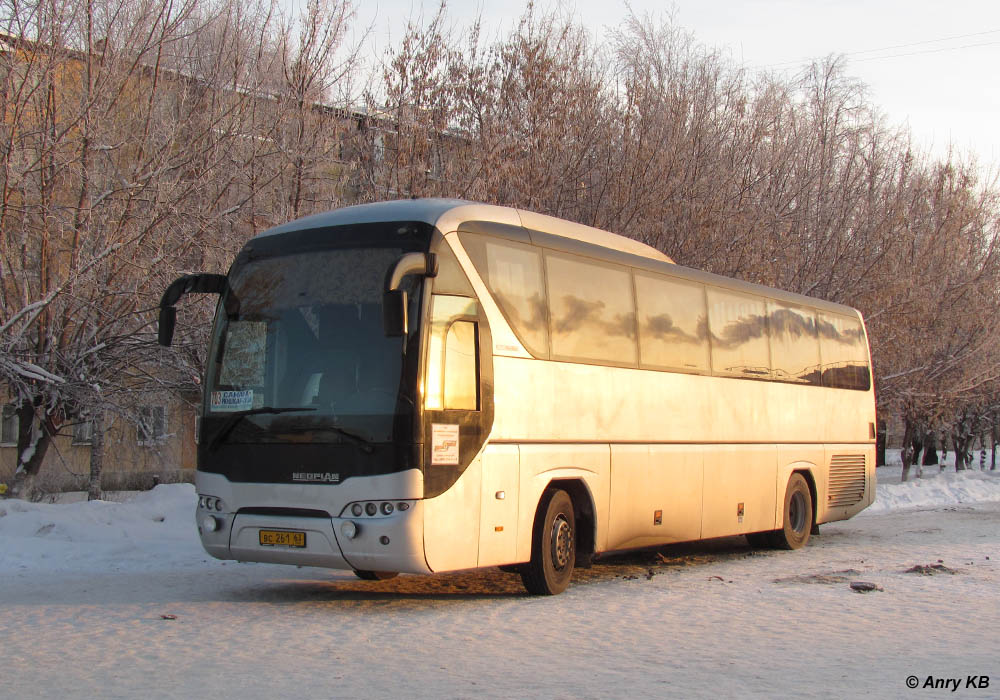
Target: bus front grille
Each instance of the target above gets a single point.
(847, 480)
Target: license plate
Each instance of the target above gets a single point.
(282, 538)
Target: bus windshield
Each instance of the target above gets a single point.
(300, 355)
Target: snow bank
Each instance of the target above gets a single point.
(155, 527)
(933, 489)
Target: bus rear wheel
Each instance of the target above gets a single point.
(553, 546)
(798, 515)
(375, 575)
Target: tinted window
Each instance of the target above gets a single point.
(844, 353)
(513, 274)
(593, 318)
(309, 335)
(794, 344)
(673, 323)
(451, 366)
(451, 277)
(461, 384)
(738, 325)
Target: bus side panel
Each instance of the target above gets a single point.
(656, 495)
(498, 521)
(848, 483)
(541, 464)
(451, 523)
(739, 493)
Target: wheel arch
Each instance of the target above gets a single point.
(806, 469)
(584, 513)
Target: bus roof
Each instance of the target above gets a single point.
(448, 214)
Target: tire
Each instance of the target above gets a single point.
(797, 516)
(375, 575)
(553, 546)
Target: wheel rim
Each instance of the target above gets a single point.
(797, 512)
(562, 542)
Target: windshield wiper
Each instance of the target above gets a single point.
(234, 418)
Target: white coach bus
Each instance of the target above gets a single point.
(432, 385)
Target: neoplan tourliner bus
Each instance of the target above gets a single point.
(433, 385)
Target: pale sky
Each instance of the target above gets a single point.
(931, 65)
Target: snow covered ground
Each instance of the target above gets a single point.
(118, 600)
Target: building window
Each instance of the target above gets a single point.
(83, 432)
(152, 426)
(8, 429)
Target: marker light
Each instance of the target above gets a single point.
(403, 505)
(348, 529)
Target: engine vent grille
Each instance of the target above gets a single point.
(847, 480)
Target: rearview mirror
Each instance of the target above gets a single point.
(204, 283)
(168, 320)
(394, 301)
(394, 316)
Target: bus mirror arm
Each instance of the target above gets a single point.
(188, 284)
(394, 300)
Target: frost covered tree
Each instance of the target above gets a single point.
(132, 152)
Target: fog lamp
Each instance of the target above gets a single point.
(348, 529)
(210, 523)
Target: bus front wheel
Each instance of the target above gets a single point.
(553, 546)
(798, 515)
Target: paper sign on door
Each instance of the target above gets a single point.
(444, 443)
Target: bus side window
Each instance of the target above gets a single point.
(461, 383)
(591, 310)
(513, 273)
(452, 380)
(738, 326)
(673, 324)
(844, 353)
(794, 344)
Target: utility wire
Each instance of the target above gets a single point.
(903, 46)
(926, 51)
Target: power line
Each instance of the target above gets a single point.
(902, 46)
(917, 53)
